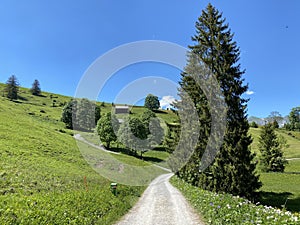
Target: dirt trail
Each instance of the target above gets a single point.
(161, 204)
(80, 138)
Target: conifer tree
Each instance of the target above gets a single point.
(271, 146)
(233, 170)
(35, 89)
(12, 88)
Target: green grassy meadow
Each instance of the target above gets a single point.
(282, 189)
(43, 177)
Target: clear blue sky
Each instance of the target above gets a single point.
(55, 42)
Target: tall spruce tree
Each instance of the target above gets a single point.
(233, 170)
(271, 147)
(12, 88)
(36, 88)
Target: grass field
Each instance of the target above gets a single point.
(279, 190)
(282, 189)
(43, 177)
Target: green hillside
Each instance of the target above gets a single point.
(293, 139)
(282, 189)
(43, 177)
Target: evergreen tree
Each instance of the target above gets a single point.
(107, 125)
(271, 146)
(35, 89)
(172, 137)
(233, 170)
(12, 88)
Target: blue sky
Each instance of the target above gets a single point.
(55, 42)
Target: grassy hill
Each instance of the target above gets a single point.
(43, 176)
(282, 189)
(279, 191)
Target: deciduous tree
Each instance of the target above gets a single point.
(152, 102)
(294, 120)
(69, 113)
(107, 127)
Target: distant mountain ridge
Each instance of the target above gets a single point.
(262, 121)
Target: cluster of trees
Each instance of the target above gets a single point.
(132, 132)
(81, 114)
(12, 88)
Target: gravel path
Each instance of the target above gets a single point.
(161, 204)
(80, 138)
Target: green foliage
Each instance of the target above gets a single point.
(80, 114)
(294, 118)
(146, 118)
(227, 209)
(172, 137)
(12, 88)
(275, 124)
(253, 124)
(233, 170)
(271, 148)
(97, 113)
(69, 112)
(156, 135)
(36, 89)
(106, 128)
(137, 128)
(132, 132)
(85, 114)
(152, 102)
(154, 131)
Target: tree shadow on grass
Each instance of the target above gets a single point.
(136, 155)
(152, 159)
(22, 98)
(160, 111)
(159, 149)
(121, 150)
(280, 200)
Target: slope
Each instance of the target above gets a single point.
(43, 177)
